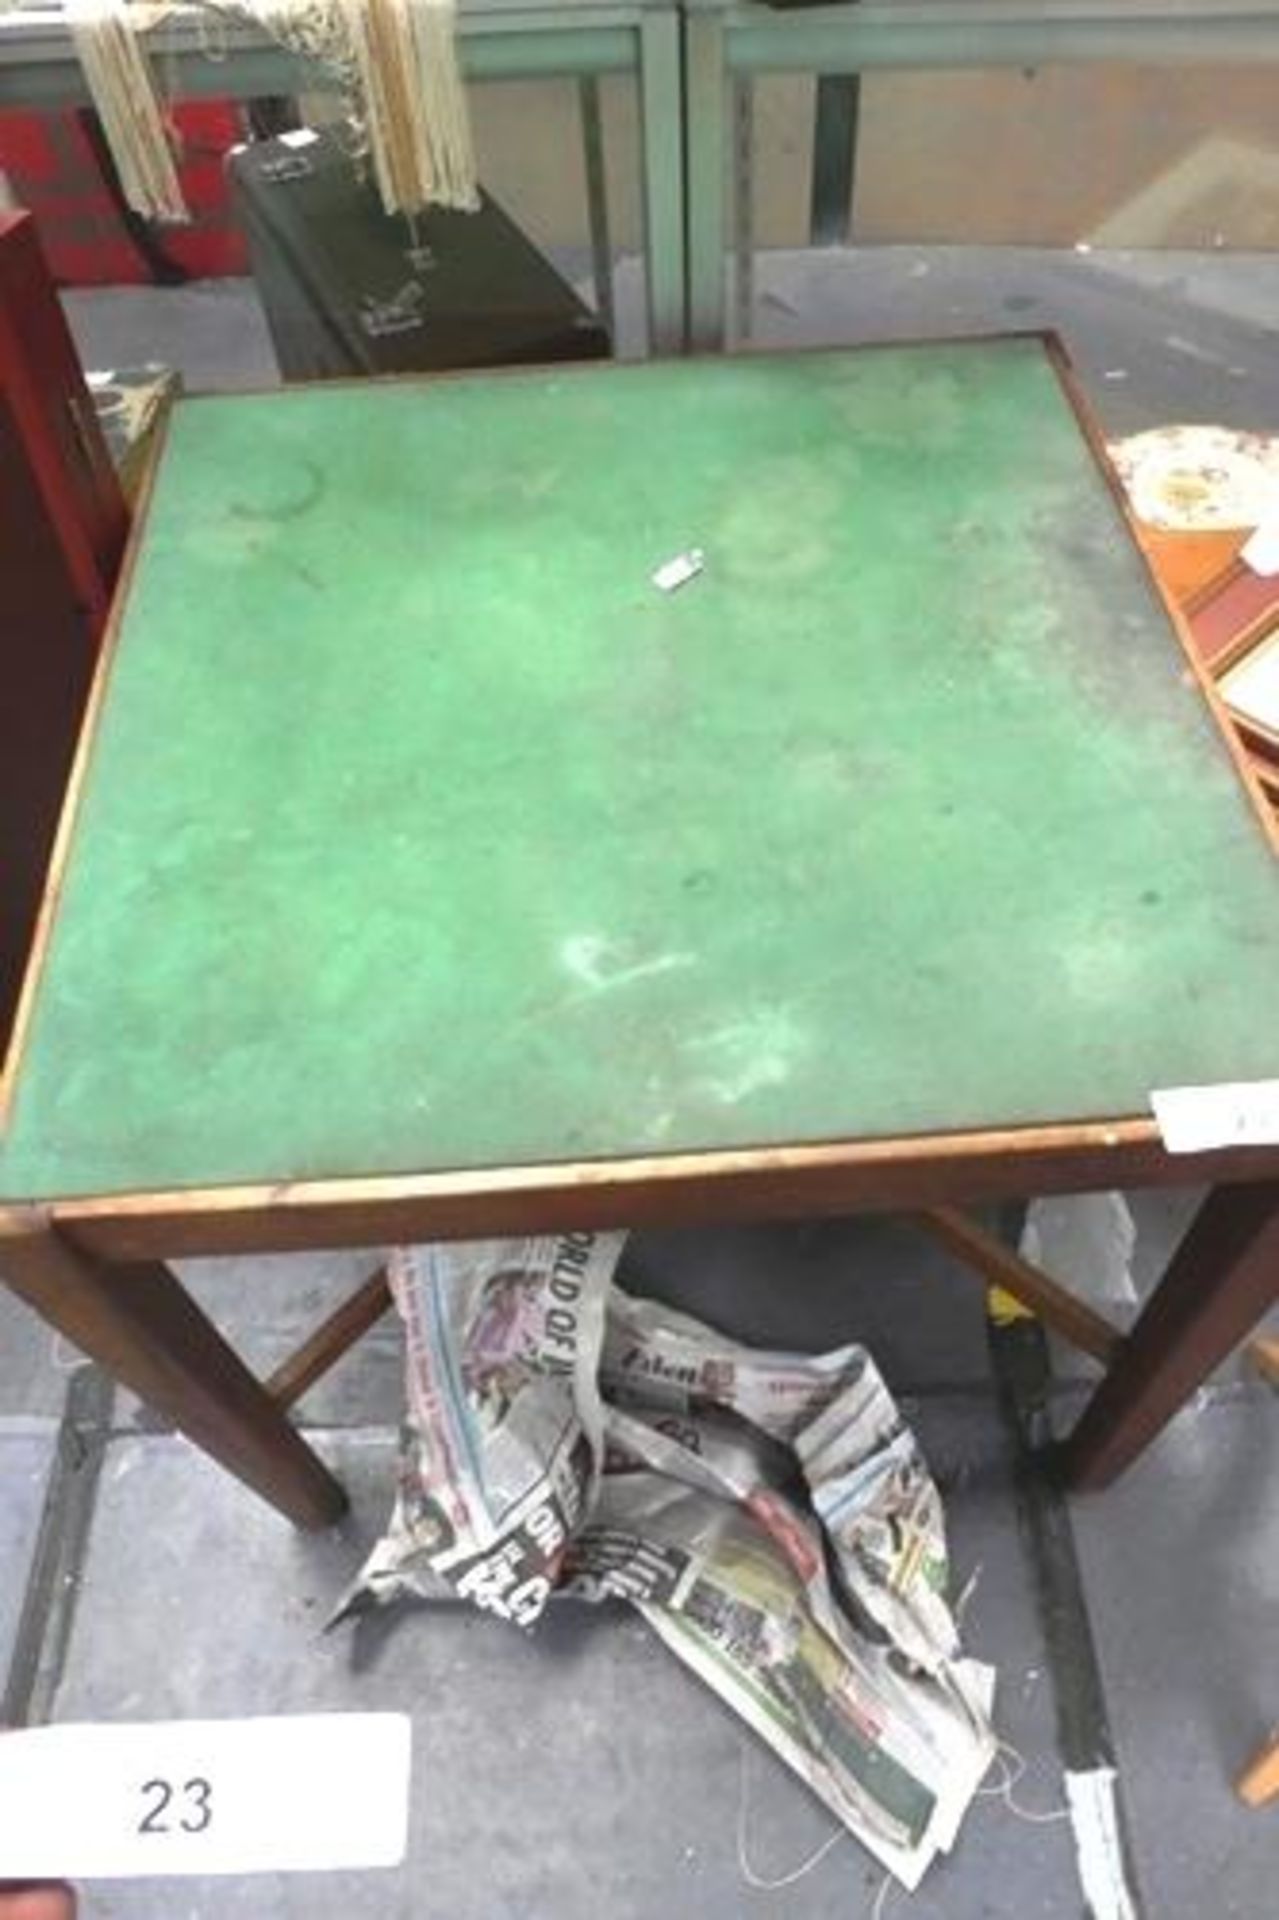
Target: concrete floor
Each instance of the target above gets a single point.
(581, 1772)
(1156, 337)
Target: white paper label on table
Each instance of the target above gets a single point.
(1238, 1113)
(299, 137)
(310, 1791)
(1261, 550)
(679, 571)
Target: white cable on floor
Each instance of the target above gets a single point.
(762, 1882)
(1014, 1765)
(121, 86)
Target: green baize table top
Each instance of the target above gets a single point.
(422, 831)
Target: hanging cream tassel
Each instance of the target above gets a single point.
(399, 57)
(122, 89)
(413, 102)
(446, 115)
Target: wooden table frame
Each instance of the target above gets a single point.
(95, 1267)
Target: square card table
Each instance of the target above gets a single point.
(427, 871)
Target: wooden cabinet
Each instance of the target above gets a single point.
(62, 530)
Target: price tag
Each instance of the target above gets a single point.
(1261, 551)
(1238, 1113)
(312, 1791)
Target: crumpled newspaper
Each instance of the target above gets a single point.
(504, 1437)
(768, 1513)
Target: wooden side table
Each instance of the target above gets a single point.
(428, 871)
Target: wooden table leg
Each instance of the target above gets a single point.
(1221, 1280)
(139, 1323)
(1259, 1780)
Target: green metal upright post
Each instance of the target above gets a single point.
(706, 112)
(661, 125)
(727, 41)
